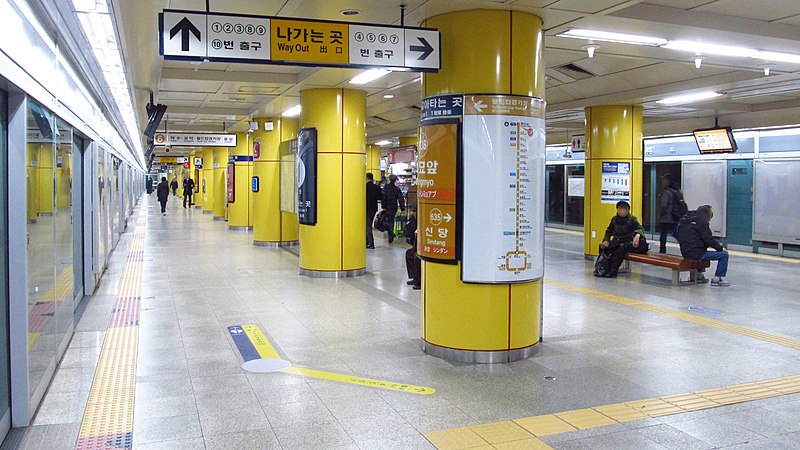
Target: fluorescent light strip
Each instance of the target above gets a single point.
(369, 75)
(778, 56)
(607, 36)
(689, 98)
(702, 48)
(382, 143)
(294, 111)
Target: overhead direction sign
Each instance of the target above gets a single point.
(195, 140)
(195, 35)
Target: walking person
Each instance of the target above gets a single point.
(392, 199)
(373, 197)
(673, 207)
(162, 192)
(188, 191)
(174, 187)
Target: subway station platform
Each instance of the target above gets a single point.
(630, 363)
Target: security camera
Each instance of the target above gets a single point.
(166, 149)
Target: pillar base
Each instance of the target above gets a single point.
(244, 228)
(332, 273)
(208, 212)
(272, 244)
(219, 218)
(479, 356)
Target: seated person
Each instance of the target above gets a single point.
(624, 235)
(695, 237)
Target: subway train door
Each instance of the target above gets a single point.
(740, 202)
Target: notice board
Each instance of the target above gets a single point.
(306, 176)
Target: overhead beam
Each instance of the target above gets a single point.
(207, 111)
(235, 77)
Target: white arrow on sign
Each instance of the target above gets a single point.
(480, 106)
(448, 217)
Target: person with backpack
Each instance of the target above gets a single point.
(673, 207)
(695, 238)
(392, 198)
(624, 235)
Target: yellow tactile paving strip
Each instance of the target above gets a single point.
(672, 245)
(524, 433)
(704, 321)
(108, 418)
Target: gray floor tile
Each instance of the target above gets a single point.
(313, 435)
(158, 429)
(229, 421)
(256, 440)
(717, 431)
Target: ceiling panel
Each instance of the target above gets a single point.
(586, 6)
(761, 10)
(190, 85)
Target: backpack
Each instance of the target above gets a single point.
(602, 263)
(679, 208)
(382, 222)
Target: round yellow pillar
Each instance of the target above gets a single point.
(334, 247)
(220, 183)
(45, 179)
(613, 135)
(33, 181)
(407, 141)
(271, 226)
(240, 212)
(501, 54)
(374, 161)
(207, 183)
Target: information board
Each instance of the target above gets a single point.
(231, 188)
(503, 179)
(437, 185)
(616, 183)
(306, 176)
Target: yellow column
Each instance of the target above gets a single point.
(407, 141)
(207, 183)
(33, 181)
(334, 247)
(45, 180)
(271, 226)
(220, 191)
(374, 161)
(501, 54)
(240, 212)
(613, 134)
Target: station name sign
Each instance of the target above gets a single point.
(199, 36)
(194, 140)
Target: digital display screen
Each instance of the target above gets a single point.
(715, 140)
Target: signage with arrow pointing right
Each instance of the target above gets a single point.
(422, 49)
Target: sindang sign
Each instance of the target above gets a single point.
(199, 36)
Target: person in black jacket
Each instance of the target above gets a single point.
(162, 191)
(623, 235)
(695, 238)
(174, 187)
(392, 199)
(413, 263)
(149, 185)
(188, 191)
(666, 217)
(373, 197)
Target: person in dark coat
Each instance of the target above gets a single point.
(392, 199)
(188, 191)
(666, 217)
(623, 235)
(695, 238)
(162, 191)
(373, 197)
(413, 263)
(174, 187)
(149, 185)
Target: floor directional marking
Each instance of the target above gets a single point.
(704, 321)
(252, 344)
(487, 435)
(108, 418)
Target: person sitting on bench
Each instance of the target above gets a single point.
(695, 237)
(624, 235)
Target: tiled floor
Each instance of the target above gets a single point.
(199, 278)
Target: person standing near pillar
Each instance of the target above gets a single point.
(188, 191)
(163, 195)
(373, 197)
(174, 187)
(392, 199)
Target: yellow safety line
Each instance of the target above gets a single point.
(524, 433)
(706, 322)
(673, 245)
(266, 350)
(368, 382)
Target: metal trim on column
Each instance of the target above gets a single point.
(332, 273)
(479, 356)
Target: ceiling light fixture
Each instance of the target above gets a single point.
(369, 75)
(590, 49)
(294, 111)
(778, 56)
(767, 68)
(382, 143)
(388, 96)
(698, 62)
(711, 49)
(689, 98)
(349, 12)
(606, 36)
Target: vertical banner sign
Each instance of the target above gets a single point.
(616, 184)
(306, 176)
(231, 182)
(503, 176)
(436, 192)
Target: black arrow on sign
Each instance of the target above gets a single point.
(425, 49)
(184, 27)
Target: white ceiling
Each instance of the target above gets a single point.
(215, 96)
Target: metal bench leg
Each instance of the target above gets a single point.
(676, 277)
(693, 276)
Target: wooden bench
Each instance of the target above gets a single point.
(674, 262)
